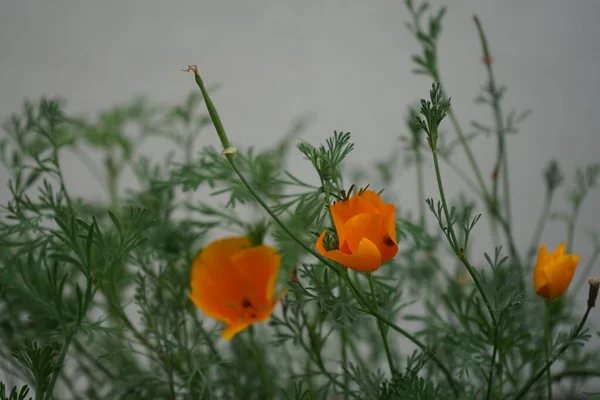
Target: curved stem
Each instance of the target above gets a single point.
(420, 186)
(539, 228)
(61, 360)
(386, 345)
(468, 152)
(260, 365)
(587, 269)
(461, 256)
(492, 364)
(540, 372)
(571, 229)
(547, 345)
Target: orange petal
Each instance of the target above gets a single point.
(540, 281)
(542, 256)
(232, 330)
(560, 250)
(369, 226)
(258, 267)
(366, 258)
(363, 226)
(342, 211)
(559, 274)
(215, 285)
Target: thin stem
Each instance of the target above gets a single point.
(461, 256)
(386, 345)
(419, 344)
(539, 229)
(260, 365)
(449, 227)
(547, 345)
(468, 152)
(463, 175)
(420, 186)
(501, 161)
(587, 269)
(540, 372)
(571, 229)
(344, 344)
(61, 360)
(493, 363)
(576, 372)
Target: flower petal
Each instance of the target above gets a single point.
(366, 258)
(230, 331)
(559, 251)
(216, 287)
(540, 281)
(542, 256)
(560, 273)
(258, 266)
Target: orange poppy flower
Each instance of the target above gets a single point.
(366, 231)
(553, 272)
(234, 283)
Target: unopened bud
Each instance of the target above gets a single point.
(594, 287)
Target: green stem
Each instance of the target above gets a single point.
(547, 345)
(344, 345)
(571, 229)
(501, 161)
(576, 372)
(539, 229)
(461, 256)
(468, 152)
(420, 186)
(230, 157)
(449, 227)
(260, 365)
(493, 363)
(61, 360)
(587, 269)
(386, 345)
(540, 372)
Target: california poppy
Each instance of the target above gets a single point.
(553, 272)
(366, 231)
(234, 282)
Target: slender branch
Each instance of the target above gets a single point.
(386, 345)
(540, 372)
(547, 345)
(587, 269)
(420, 186)
(461, 256)
(61, 360)
(493, 362)
(502, 160)
(467, 149)
(571, 228)
(576, 372)
(260, 365)
(539, 228)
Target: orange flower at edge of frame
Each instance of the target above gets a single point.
(553, 272)
(366, 230)
(234, 283)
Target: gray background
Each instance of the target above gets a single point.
(346, 63)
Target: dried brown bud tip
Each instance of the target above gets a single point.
(594, 287)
